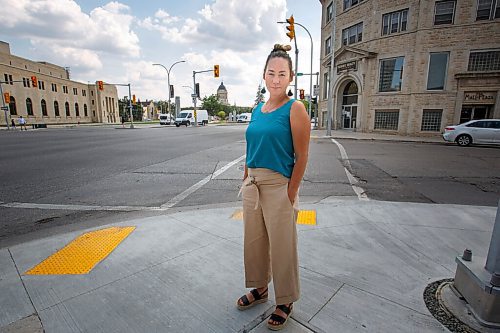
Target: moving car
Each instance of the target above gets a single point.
(186, 117)
(486, 131)
(244, 118)
(165, 119)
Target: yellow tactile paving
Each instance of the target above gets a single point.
(305, 216)
(237, 215)
(83, 253)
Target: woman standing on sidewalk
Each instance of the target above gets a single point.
(277, 151)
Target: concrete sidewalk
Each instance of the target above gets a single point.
(363, 268)
(354, 135)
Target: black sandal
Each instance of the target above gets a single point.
(257, 299)
(287, 309)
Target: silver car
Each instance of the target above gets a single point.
(486, 131)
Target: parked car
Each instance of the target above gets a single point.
(244, 118)
(485, 131)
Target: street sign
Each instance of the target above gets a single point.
(194, 95)
(316, 90)
(4, 108)
(300, 74)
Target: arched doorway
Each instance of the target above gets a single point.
(349, 105)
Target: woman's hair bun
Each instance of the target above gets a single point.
(281, 47)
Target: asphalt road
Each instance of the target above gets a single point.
(101, 175)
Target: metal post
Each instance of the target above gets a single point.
(3, 104)
(130, 107)
(493, 259)
(194, 99)
(310, 77)
(168, 80)
(330, 79)
(316, 106)
(296, 66)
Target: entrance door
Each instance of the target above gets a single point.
(349, 114)
(349, 105)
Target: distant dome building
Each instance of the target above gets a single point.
(222, 94)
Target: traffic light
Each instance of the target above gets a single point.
(6, 97)
(314, 100)
(171, 91)
(216, 70)
(290, 28)
(34, 81)
(133, 99)
(301, 93)
(100, 85)
(197, 90)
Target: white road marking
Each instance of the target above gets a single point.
(178, 198)
(172, 202)
(352, 180)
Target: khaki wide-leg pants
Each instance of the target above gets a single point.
(270, 234)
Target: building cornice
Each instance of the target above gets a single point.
(360, 52)
(477, 75)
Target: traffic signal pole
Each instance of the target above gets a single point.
(4, 108)
(195, 95)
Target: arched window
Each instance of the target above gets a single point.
(12, 106)
(77, 110)
(44, 108)
(85, 110)
(66, 106)
(56, 108)
(29, 107)
(350, 95)
(351, 88)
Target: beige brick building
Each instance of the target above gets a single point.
(409, 67)
(56, 99)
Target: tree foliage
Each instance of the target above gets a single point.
(212, 104)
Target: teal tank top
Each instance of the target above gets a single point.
(269, 140)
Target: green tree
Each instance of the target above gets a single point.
(259, 98)
(212, 104)
(221, 115)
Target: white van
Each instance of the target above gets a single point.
(186, 117)
(165, 119)
(244, 118)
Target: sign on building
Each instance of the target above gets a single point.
(480, 97)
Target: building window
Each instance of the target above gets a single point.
(66, 106)
(56, 108)
(12, 106)
(329, 12)
(41, 85)
(488, 10)
(391, 74)
(326, 85)
(386, 120)
(394, 22)
(444, 12)
(84, 92)
(349, 3)
(26, 82)
(353, 34)
(438, 66)
(85, 112)
(8, 79)
(44, 108)
(328, 46)
(481, 61)
(54, 87)
(29, 107)
(431, 120)
(92, 102)
(75, 91)
(77, 110)
(65, 89)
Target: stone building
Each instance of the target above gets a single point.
(222, 94)
(56, 99)
(409, 67)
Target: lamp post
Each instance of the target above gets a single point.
(168, 79)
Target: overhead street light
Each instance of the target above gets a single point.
(168, 80)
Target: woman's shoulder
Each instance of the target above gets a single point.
(297, 106)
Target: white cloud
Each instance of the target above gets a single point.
(224, 24)
(60, 31)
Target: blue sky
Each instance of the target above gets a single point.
(118, 41)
